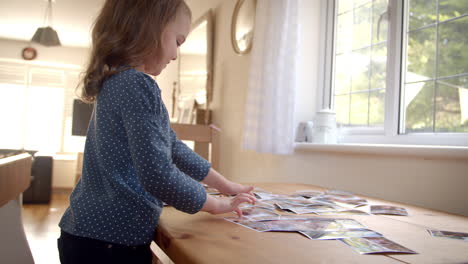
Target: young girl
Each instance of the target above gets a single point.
(133, 161)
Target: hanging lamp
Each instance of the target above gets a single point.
(47, 36)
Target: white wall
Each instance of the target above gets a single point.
(64, 171)
(11, 49)
(433, 183)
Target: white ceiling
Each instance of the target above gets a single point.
(72, 19)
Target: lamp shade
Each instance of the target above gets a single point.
(46, 36)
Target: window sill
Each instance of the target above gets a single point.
(418, 151)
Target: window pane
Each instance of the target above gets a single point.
(453, 50)
(342, 109)
(452, 8)
(44, 119)
(377, 107)
(359, 109)
(452, 105)
(380, 21)
(362, 30)
(343, 74)
(360, 70)
(419, 110)
(344, 5)
(439, 104)
(379, 66)
(11, 107)
(421, 54)
(358, 3)
(344, 33)
(361, 63)
(422, 13)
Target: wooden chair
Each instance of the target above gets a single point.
(185, 110)
(79, 166)
(206, 138)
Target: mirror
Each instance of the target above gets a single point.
(242, 26)
(195, 74)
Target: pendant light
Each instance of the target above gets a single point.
(47, 36)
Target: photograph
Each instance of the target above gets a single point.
(326, 235)
(298, 224)
(344, 212)
(449, 234)
(375, 245)
(388, 210)
(314, 209)
(306, 193)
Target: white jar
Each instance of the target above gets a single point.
(324, 130)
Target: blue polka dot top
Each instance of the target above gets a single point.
(132, 163)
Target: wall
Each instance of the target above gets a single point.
(11, 49)
(433, 183)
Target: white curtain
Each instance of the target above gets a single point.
(269, 118)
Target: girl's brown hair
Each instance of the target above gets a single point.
(124, 33)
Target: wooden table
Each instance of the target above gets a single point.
(205, 238)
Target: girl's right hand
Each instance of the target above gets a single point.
(215, 205)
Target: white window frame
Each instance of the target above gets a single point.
(390, 132)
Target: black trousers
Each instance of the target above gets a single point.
(82, 250)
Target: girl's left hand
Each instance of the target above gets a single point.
(223, 205)
(232, 188)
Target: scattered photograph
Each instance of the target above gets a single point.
(375, 245)
(259, 214)
(388, 210)
(268, 196)
(449, 234)
(339, 193)
(325, 235)
(258, 226)
(263, 204)
(351, 201)
(347, 224)
(306, 194)
(299, 224)
(294, 201)
(344, 212)
(314, 209)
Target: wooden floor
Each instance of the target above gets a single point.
(41, 226)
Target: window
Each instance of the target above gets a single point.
(400, 70)
(36, 108)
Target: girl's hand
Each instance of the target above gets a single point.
(232, 188)
(225, 205)
(215, 180)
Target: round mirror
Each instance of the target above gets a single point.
(242, 27)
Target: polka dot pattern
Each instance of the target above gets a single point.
(132, 163)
